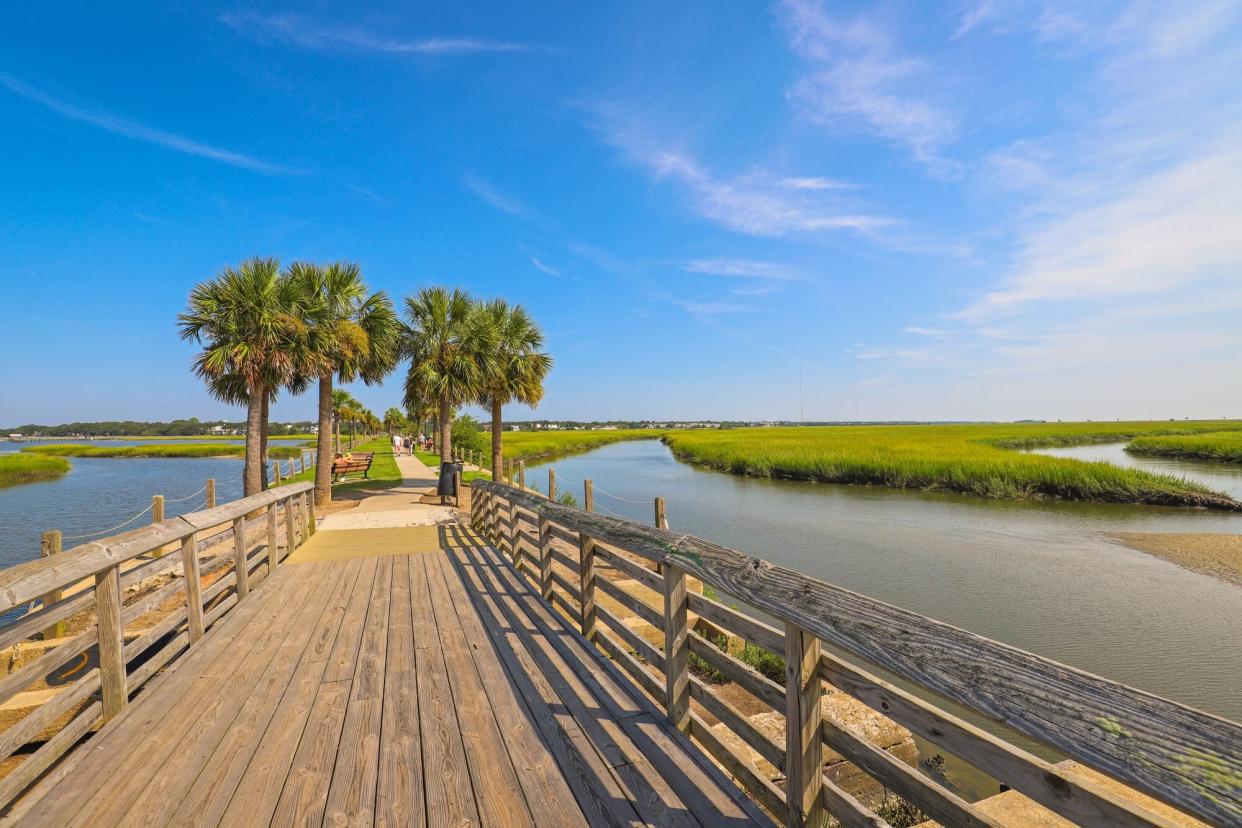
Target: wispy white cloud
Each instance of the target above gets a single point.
(816, 183)
(933, 333)
(857, 79)
(310, 34)
(756, 203)
(748, 268)
(548, 269)
(140, 132)
(713, 308)
(495, 198)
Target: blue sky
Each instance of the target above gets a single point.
(983, 209)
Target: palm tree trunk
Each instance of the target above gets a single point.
(446, 432)
(498, 460)
(263, 439)
(323, 444)
(252, 477)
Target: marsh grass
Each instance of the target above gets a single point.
(969, 459)
(157, 450)
(16, 468)
(538, 445)
(1218, 446)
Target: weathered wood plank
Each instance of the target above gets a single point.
(676, 649)
(447, 788)
(111, 641)
(939, 803)
(597, 791)
(399, 797)
(804, 752)
(1177, 754)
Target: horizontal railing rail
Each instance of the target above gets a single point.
(1183, 757)
(131, 604)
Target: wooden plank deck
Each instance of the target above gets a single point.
(428, 687)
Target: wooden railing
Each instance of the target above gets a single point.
(177, 578)
(1187, 759)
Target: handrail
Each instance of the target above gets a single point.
(245, 551)
(1189, 759)
(25, 582)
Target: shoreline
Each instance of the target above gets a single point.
(1217, 555)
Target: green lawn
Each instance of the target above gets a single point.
(384, 472)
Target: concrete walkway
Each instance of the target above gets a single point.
(397, 507)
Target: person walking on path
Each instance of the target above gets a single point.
(396, 445)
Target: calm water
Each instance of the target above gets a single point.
(1223, 477)
(100, 492)
(1041, 576)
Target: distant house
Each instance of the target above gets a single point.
(218, 430)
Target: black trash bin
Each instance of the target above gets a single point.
(449, 473)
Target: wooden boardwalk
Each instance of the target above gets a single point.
(428, 687)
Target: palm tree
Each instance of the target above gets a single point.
(394, 421)
(450, 347)
(518, 368)
(344, 410)
(353, 336)
(248, 321)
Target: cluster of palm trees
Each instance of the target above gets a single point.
(264, 329)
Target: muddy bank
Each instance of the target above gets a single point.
(1217, 555)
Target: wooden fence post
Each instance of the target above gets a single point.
(457, 489)
(522, 475)
(586, 567)
(291, 538)
(111, 641)
(515, 535)
(193, 587)
(676, 648)
(277, 481)
(157, 517)
(311, 525)
(545, 559)
(50, 544)
(551, 484)
(211, 493)
(239, 557)
(272, 548)
(661, 522)
(804, 756)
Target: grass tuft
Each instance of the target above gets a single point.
(16, 468)
(1218, 446)
(158, 450)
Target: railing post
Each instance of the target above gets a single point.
(157, 517)
(676, 648)
(804, 756)
(272, 548)
(457, 489)
(522, 475)
(545, 559)
(515, 536)
(50, 544)
(111, 641)
(291, 539)
(551, 484)
(193, 587)
(277, 480)
(211, 493)
(311, 524)
(239, 557)
(586, 567)
(661, 522)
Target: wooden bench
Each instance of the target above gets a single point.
(358, 463)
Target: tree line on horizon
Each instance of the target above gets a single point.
(266, 329)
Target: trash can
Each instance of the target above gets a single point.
(449, 472)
